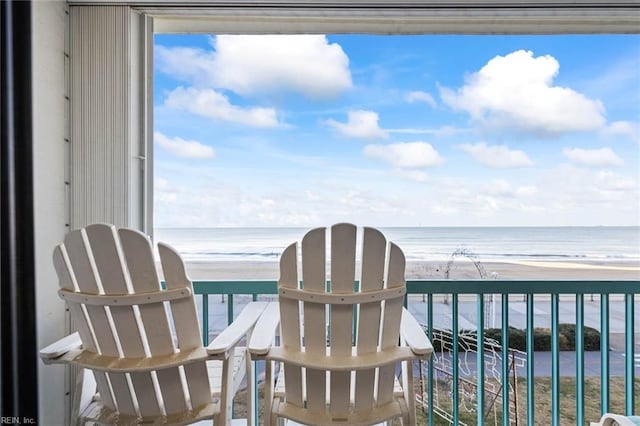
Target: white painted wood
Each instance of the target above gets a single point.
(138, 354)
(610, 419)
(241, 326)
(80, 263)
(113, 277)
(374, 247)
(185, 319)
(315, 338)
(343, 258)
(414, 336)
(267, 326)
(348, 362)
(183, 311)
(290, 322)
(340, 364)
(62, 346)
(391, 321)
(342, 298)
(126, 299)
(106, 122)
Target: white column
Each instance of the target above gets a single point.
(49, 134)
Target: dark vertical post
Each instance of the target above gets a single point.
(19, 373)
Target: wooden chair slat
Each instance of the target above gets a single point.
(122, 394)
(185, 319)
(290, 321)
(343, 258)
(146, 395)
(173, 395)
(199, 390)
(76, 249)
(66, 281)
(374, 246)
(102, 240)
(391, 321)
(314, 279)
(138, 255)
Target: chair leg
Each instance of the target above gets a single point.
(251, 389)
(226, 398)
(77, 397)
(83, 394)
(269, 384)
(409, 393)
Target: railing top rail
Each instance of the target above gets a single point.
(447, 286)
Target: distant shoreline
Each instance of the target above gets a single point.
(460, 269)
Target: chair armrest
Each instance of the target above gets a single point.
(414, 336)
(265, 331)
(617, 419)
(69, 343)
(239, 328)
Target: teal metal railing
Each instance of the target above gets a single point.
(530, 290)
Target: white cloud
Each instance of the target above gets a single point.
(183, 148)
(439, 131)
(624, 128)
(360, 124)
(497, 156)
(516, 91)
(409, 155)
(250, 64)
(419, 96)
(415, 175)
(592, 196)
(211, 104)
(526, 191)
(504, 189)
(602, 157)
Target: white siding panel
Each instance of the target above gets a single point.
(104, 132)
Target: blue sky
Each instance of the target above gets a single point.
(306, 130)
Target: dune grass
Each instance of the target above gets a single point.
(542, 394)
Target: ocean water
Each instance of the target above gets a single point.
(619, 244)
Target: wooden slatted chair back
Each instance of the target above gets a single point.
(124, 316)
(336, 326)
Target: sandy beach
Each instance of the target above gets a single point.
(460, 269)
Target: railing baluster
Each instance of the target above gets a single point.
(604, 354)
(579, 347)
(555, 362)
(229, 308)
(205, 319)
(530, 361)
(629, 361)
(480, 357)
(430, 366)
(505, 358)
(454, 343)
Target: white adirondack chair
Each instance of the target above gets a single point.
(610, 419)
(144, 373)
(340, 346)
